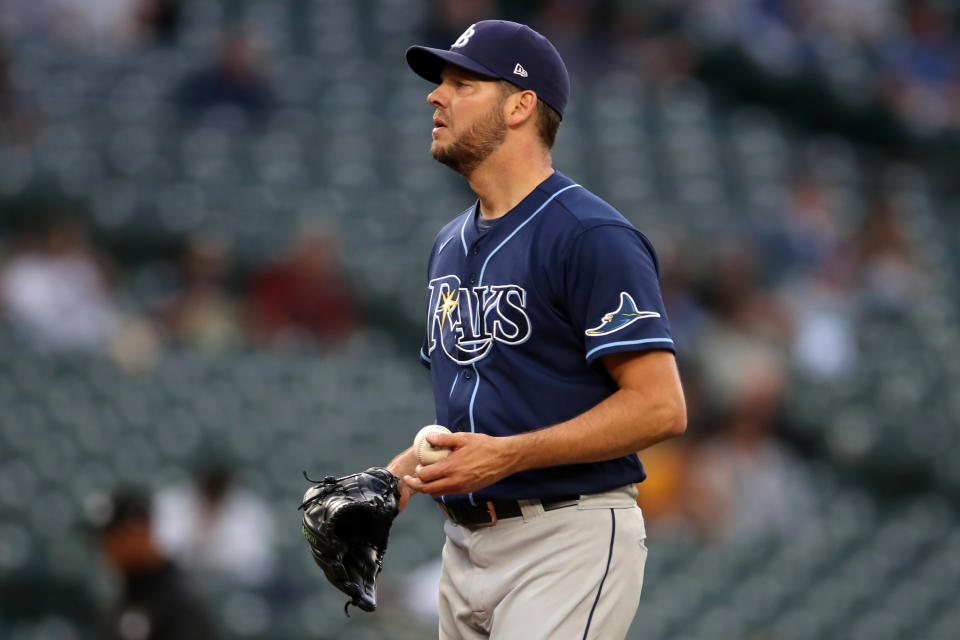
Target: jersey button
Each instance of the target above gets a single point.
(467, 374)
(476, 251)
(473, 278)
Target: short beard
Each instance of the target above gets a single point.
(465, 154)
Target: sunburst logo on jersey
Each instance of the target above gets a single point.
(448, 306)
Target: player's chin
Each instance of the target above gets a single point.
(437, 147)
(440, 151)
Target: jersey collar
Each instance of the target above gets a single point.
(513, 218)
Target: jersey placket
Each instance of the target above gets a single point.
(477, 250)
(465, 384)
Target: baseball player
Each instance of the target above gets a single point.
(550, 356)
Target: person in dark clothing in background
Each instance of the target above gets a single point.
(156, 603)
(233, 88)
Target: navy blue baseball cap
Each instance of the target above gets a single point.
(503, 50)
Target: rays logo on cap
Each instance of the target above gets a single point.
(626, 314)
(464, 37)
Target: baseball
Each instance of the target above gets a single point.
(427, 453)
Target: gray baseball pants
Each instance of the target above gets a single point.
(571, 573)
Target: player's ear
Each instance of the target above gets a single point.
(520, 107)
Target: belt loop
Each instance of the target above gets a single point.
(492, 512)
(530, 509)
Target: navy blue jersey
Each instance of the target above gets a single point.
(518, 316)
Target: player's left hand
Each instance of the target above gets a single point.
(477, 461)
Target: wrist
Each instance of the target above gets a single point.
(515, 453)
(404, 464)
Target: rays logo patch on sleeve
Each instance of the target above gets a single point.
(625, 315)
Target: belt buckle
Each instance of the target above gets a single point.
(492, 512)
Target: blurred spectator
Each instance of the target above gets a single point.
(202, 312)
(649, 38)
(905, 52)
(746, 324)
(808, 234)
(305, 291)
(891, 275)
(18, 121)
(809, 256)
(216, 527)
(823, 308)
(156, 601)
(55, 290)
(742, 482)
(444, 20)
(98, 26)
(158, 21)
(8, 103)
(103, 25)
(234, 87)
(677, 282)
(923, 67)
(570, 24)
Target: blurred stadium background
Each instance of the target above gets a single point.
(214, 228)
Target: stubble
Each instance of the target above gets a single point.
(466, 153)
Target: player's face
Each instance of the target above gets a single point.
(468, 122)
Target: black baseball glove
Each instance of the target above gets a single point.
(347, 521)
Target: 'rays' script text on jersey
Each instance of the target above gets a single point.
(465, 321)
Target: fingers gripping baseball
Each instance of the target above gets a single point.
(476, 461)
(424, 450)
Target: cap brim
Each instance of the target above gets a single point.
(428, 63)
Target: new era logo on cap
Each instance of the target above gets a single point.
(493, 48)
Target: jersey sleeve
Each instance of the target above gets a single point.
(425, 346)
(424, 358)
(613, 292)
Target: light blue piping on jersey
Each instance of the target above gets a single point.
(454, 385)
(618, 344)
(445, 243)
(463, 238)
(473, 427)
(514, 232)
(473, 397)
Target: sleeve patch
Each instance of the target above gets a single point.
(623, 316)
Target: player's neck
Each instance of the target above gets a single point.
(505, 178)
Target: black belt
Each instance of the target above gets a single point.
(491, 511)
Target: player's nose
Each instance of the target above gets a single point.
(435, 97)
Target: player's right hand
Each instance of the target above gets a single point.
(477, 461)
